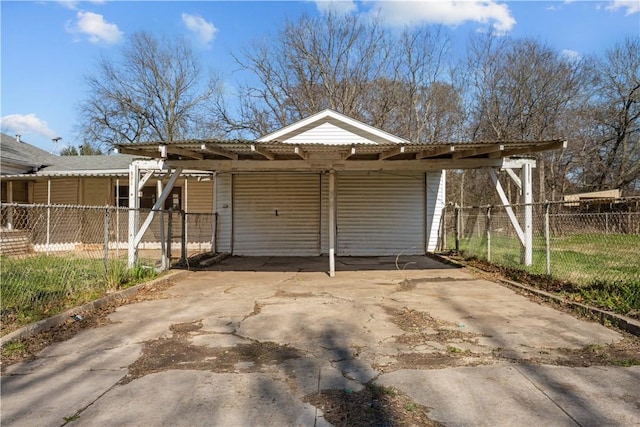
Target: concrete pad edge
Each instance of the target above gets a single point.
(51, 322)
(623, 322)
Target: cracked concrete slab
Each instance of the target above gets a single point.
(506, 394)
(294, 331)
(191, 398)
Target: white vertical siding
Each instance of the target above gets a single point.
(380, 213)
(436, 199)
(329, 133)
(276, 214)
(224, 210)
(324, 214)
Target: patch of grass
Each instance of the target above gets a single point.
(37, 287)
(411, 406)
(13, 347)
(626, 363)
(74, 417)
(601, 270)
(378, 390)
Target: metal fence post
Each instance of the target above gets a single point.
(106, 243)
(183, 238)
(547, 249)
(488, 227)
(169, 235)
(457, 220)
(214, 234)
(444, 229)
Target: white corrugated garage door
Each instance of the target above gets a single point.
(380, 214)
(276, 214)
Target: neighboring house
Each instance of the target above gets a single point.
(33, 176)
(329, 184)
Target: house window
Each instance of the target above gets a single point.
(149, 197)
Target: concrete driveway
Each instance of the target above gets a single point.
(244, 343)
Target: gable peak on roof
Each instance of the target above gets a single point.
(330, 127)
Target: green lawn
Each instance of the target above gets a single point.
(604, 269)
(43, 285)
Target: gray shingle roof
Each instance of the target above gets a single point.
(40, 162)
(22, 153)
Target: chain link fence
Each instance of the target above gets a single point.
(587, 242)
(55, 257)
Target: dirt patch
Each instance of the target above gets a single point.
(177, 352)
(372, 406)
(410, 320)
(622, 353)
(26, 349)
(284, 294)
(422, 327)
(453, 358)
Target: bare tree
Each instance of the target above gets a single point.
(347, 63)
(524, 90)
(155, 90)
(611, 146)
(313, 64)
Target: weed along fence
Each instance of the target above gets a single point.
(53, 257)
(585, 243)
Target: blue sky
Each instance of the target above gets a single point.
(48, 46)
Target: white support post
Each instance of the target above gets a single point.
(507, 205)
(157, 206)
(163, 244)
(134, 204)
(332, 223)
(527, 197)
(214, 231)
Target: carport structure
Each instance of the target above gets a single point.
(330, 185)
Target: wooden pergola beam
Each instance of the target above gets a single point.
(301, 153)
(391, 153)
(264, 153)
(490, 149)
(556, 145)
(165, 150)
(219, 151)
(141, 153)
(440, 151)
(351, 152)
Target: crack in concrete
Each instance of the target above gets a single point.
(547, 396)
(77, 414)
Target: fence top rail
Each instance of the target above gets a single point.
(4, 205)
(567, 203)
(62, 206)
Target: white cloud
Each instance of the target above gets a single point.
(205, 31)
(571, 55)
(95, 27)
(339, 6)
(24, 124)
(448, 12)
(73, 5)
(632, 6)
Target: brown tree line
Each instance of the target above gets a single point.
(408, 83)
